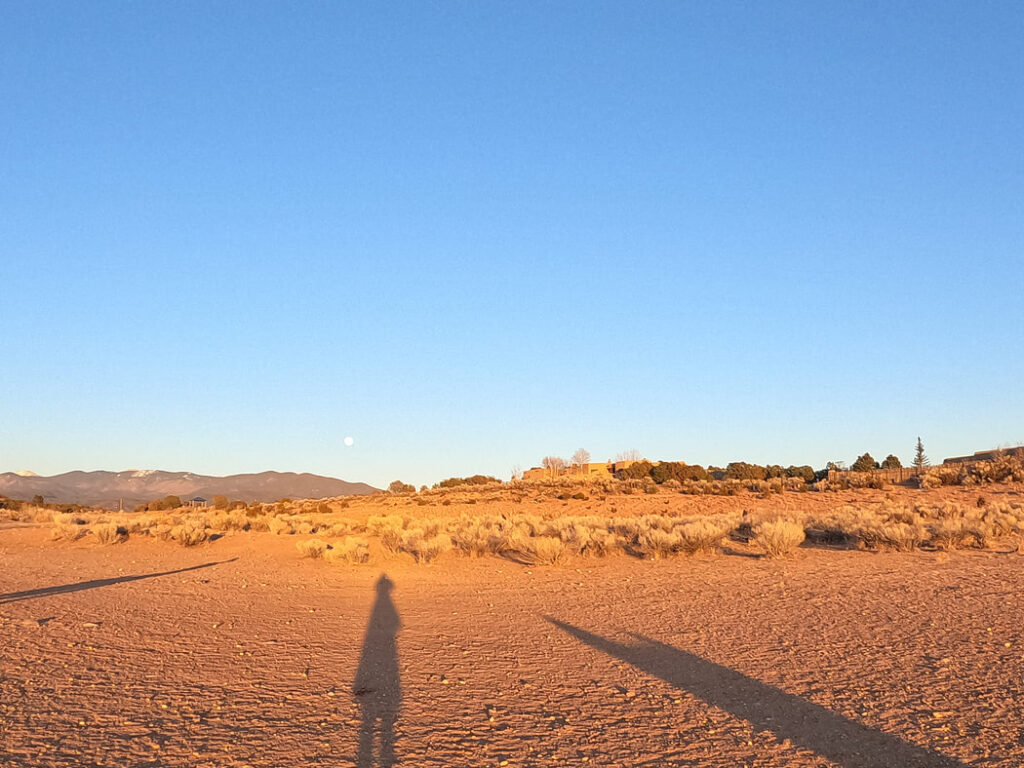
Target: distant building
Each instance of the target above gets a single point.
(990, 455)
(577, 471)
(198, 501)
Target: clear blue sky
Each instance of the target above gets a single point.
(472, 234)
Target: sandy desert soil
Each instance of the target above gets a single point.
(239, 653)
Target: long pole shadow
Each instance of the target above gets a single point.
(63, 589)
(377, 687)
(809, 725)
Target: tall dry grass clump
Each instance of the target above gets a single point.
(894, 536)
(279, 526)
(778, 538)
(603, 542)
(949, 534)
(110, 533)
(476, 537)
(658, 543)
(389, 529)
(424, 544)
(701, 537)
(229, 520)
(69, 527)
(541, 550)
(312, 548)
(349, 550)
(190, 533)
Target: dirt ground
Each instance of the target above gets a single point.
(239, 653)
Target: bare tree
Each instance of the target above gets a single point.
(553, 464)
(631, 455)
(581, 457)
(517, 472)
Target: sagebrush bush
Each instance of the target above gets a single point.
(233, 520)
(352, 550)
(949, 534)
(895, 536)
(68, 526)
(700, 536)
(110, 533)
(602, 542)
(658, 543)
(279, 526)
(312, 548)
(778, 538)
(477, 538)
(543, 550)
(425, 546)
(190, 533)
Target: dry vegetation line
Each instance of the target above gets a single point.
(549, 539)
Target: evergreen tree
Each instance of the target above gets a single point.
(920, 459)
(864, 463)
(892, 462)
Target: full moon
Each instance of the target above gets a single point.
(349, 441)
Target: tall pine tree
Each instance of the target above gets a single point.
(920, 459)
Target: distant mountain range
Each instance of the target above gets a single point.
(132, 487)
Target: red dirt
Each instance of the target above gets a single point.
(238, 653)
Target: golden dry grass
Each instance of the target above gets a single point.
(110, 533)
(777, 538)
(349, 550)
(312, 548)
(558, 522)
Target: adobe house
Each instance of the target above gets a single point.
(989, 455)
(591, 471)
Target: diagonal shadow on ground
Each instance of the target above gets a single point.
(809, 725)
(63, 589)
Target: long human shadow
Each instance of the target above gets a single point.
(377, 687)
(63, 589)
(809, 725)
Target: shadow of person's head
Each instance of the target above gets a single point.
(384, 584)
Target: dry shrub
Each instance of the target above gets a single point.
(603, 543)
(836, 529)
(138, 524)
(279, 526)
(627, 527)
(701, 536)
(348, 550)
(339, 530)
(476, 538)
(980, 532)
(575, 534)
(190, 533)
(390, 529)
(68, 526)
(42, 515)
(312, 548)
(542, 550)
(378, 524)
(260, 523)
(658, 543)
(234, 520)
(423, 545)
(778, 538)
(110, 533)
(949, 534)
(898, 537)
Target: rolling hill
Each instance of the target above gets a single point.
(132, 487)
